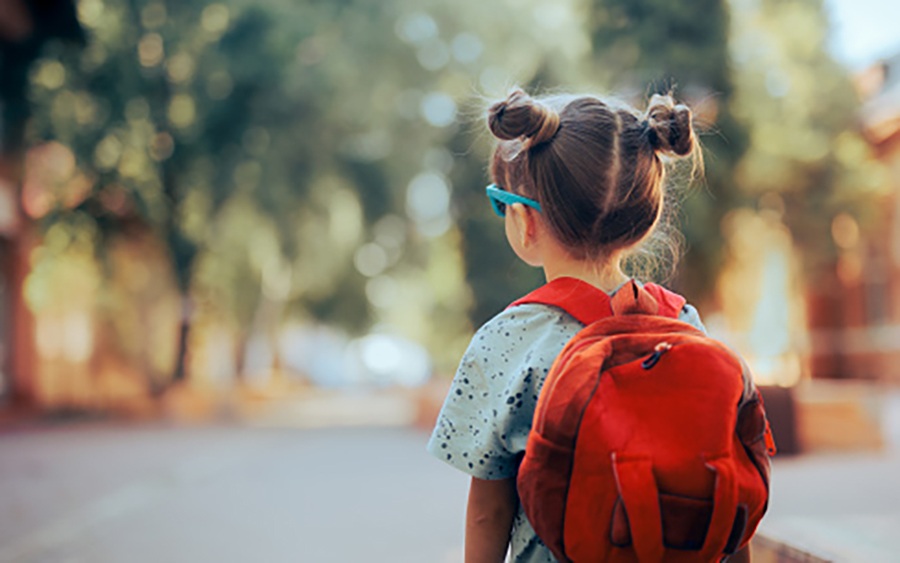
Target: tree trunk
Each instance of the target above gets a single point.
(184, 330)
(23, 353)
(17, 328)
(240, 357)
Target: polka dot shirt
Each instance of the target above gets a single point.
(484, 423)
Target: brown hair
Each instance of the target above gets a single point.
(596, 169)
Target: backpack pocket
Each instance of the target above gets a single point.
(685, 521)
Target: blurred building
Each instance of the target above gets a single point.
(855, 311)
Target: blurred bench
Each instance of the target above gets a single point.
(826, 415)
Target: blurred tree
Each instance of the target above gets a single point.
(533, 44)
(653, 46)
(318, 159)
(240, 134)
(167, 111)
(764, 127)
(633, 49)
(26, 26)
(806, 161)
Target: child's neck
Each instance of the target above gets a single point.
(607, 276)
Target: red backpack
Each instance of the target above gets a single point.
(649, 441)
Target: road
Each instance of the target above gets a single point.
(842, 507)
(224, 495)
(97, 494)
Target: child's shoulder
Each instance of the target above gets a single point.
(519, 336)
(524, 314)
(526, 322)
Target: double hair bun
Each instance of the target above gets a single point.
(669, 124)
(519, 115)
(669, 129)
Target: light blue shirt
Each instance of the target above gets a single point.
(484, 424)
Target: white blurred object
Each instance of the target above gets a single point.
(329, 359)
(892, 420)
(390, 360)
(416, 28)
(317, 352)
(466, 47)
(862, 30)
(258, 359)
(428, 203)
(438, 109)
(219, 358)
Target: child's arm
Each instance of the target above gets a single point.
(489, 518)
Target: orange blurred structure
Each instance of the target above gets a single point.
(16, 350)
(854, 312)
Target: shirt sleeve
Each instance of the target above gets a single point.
(484, 423)
(690, 315)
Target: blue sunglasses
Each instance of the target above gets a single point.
(501, 198)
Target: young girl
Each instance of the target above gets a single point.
(579, 183)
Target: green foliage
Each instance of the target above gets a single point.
(806, 159)
(168, 119)
(302, 151)
(651, 46)
(662, 43)
(54, 22)
(297, 125)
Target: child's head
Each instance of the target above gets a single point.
(594, 168)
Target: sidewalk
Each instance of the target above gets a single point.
(841, 507)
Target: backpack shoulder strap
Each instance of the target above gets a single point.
(589, 304)
(580, 299)
(670, 303)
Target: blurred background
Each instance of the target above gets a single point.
(244, 244)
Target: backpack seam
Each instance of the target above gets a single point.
(572, 463)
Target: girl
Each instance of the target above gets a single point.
(580, 184)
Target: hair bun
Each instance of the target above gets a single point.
(521, 116)
(670, 126)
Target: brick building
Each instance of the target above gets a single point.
(854, 313)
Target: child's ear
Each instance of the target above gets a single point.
(526, 220)
(524, 233)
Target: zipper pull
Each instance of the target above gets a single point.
(658, 351)
(770, 440)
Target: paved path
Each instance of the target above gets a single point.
(222, 494)
(226, 495)
(843, 507)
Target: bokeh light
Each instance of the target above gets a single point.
(272, 213)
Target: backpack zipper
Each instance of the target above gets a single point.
(658, 351)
